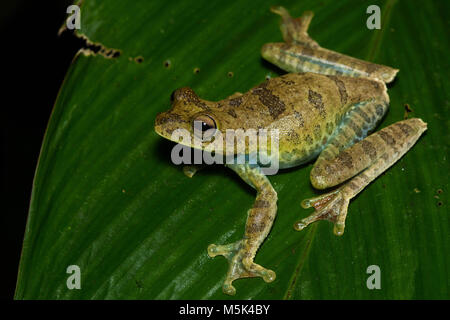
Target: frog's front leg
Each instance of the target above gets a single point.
(191, 169)
(259, 222)
(364, 161)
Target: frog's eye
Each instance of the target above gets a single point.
(204, 126)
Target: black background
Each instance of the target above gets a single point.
(34, 61)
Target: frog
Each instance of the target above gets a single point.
(326, 109)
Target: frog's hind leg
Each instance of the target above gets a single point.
(358, 121)
(364, 161)
(260, 218)
(300, 53)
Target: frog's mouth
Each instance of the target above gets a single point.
(190, 141)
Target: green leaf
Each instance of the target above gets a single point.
(106, 196)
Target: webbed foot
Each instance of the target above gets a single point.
(241, 265)
(331, 206)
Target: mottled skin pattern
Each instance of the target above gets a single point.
(325, 115)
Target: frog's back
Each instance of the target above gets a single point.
(306, 108)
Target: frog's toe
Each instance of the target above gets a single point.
(258, 271)
(240, 265)
(227, 250)
(331, 206)
(228, 288)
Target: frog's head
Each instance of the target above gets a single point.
(188, 111)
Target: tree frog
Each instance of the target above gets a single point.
(324, 109)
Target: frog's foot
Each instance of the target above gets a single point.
(190, 170)
(295, 29)
(241, 265)
(331, 206)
